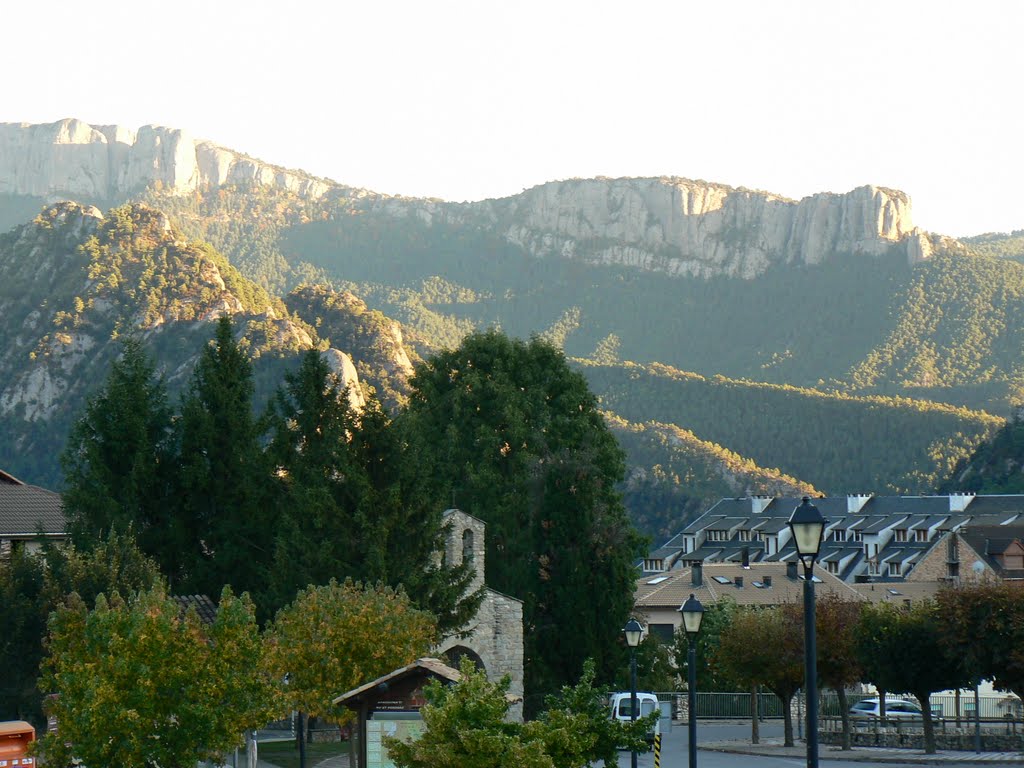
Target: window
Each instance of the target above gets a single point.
(661, 631)
(894, 569)
(718, 535)
(873, 569)
(900, 534)
(858, 536)
(839, 534)
(921, 534)
(832, 566)
(467, 546)
(744, 535)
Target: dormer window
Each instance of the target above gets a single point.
(839, 534)
(744, 535)
(894, 569)
(718, 535)
(858, 536)
(921, 534)
(900, 534)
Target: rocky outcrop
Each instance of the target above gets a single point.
(670, 225)
(688, 228)
(107, 162)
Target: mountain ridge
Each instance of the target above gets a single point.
(665, 224)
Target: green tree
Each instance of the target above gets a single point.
(223, 521)
(352, 501)
(903, 652)
(993, 611)
(513, 435)
(711, 676)
(838, 662)
(466, 727)
(33, 585)
(24, 605)
(336, 637)
(117, 456)
(139, 684)
(765, 647)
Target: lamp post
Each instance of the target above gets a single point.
(633, 632)
(693, 613)
(808, 525)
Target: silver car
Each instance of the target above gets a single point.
(895, 709)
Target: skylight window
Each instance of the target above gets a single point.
(658, 580)
(722, 579)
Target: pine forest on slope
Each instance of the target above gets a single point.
(808, 377)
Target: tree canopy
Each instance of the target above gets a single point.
(513, 436)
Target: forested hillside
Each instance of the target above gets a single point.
(838, 443)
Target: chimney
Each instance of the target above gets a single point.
(739, 582)
(767, 581)
(791, 569)
(746, 557)
(697, 575)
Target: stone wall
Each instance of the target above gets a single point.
(495, 635)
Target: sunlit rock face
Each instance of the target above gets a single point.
(70, 159)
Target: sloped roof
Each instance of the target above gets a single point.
(435, 667)
(206, 609)
(27, 509)
(9, 479)
(677, 587)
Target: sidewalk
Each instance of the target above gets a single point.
(774, 748)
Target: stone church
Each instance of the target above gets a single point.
(494, 638)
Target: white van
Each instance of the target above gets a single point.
(621, 708)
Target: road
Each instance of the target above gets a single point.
(674, 752)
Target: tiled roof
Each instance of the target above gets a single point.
(906, 505)
(435, 667)
(205, 607)
(677, 587)
(9, 479)
(26, 509)
(981, 505)
(898, 591)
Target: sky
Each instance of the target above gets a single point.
(478, 99)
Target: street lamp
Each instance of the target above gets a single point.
(693, 613)
(633, 632)
(808, 525)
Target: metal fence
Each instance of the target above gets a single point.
(737, 705)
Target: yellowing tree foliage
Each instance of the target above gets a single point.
(335, 637)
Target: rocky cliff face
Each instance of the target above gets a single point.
(689, 228)
(670, 225)
(107, 162)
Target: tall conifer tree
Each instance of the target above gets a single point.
(118, 454)
(510, 432)
(225, 522)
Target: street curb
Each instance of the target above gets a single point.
(862, 756)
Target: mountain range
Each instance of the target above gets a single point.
(741, 342)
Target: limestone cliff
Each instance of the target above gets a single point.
(688, 228)
(107, 162)
(670, 225)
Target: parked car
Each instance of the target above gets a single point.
(646, 703)
(895, 709)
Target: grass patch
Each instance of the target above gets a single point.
(285, 754)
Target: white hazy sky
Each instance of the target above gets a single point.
(476, 99)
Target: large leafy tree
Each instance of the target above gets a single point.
(352, 501)
(138, 683)
(839, 664)
(983, 625)
(513, 436)
(31, 586)
(337, 636)
(902, 651)
(223, 523)
(765, 647)
(117, 457)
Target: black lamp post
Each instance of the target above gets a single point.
(808, 525)
(633, 632)
(693, 613)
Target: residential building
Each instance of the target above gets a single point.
(28, 515)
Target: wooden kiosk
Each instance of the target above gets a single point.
(390, 705)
